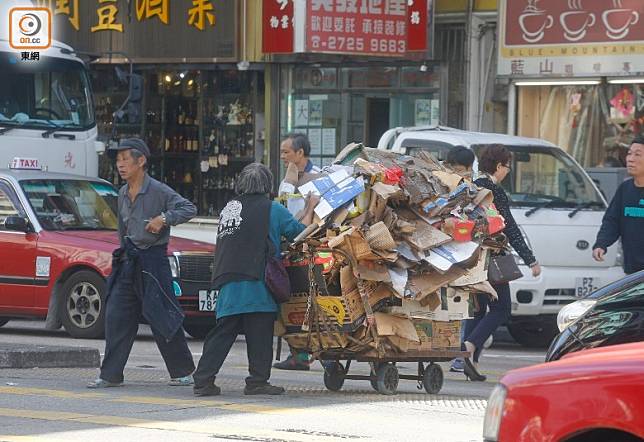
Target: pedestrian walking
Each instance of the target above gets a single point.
(141, 280)
(624, 218)
(295, 150)
(494, 166)
(250, 226)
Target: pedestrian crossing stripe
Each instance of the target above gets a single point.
(215, 431)
(150, 400)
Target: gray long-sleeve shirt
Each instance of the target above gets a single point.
(153, 199)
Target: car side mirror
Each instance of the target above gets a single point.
(18, 224)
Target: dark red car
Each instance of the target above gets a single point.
(57, 234)
(589, 396)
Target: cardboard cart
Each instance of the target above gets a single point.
(341, 329)
(386, 273)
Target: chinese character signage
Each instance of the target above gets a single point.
(571, 38)
(277, 26)
(361, 27)
(374, 27)
(149, 30)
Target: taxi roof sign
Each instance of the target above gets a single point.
(25, 163)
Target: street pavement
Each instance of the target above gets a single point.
(53, 404)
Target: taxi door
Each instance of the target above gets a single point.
(17, 257)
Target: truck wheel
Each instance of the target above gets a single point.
(82, 308)
(198, 331)
(3, 321)
(334, 376)
(534, 334)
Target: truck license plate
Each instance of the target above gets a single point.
(585, 286)
(207, 300)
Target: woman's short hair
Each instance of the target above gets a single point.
(254, 178)
(492, 156)
(460, 156)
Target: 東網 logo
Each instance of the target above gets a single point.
(29, 28)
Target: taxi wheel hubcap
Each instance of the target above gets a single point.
(84, 305)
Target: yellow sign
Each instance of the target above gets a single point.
(200, 13)
(107, 17)
(149, 8)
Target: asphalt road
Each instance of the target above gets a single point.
(53, 404)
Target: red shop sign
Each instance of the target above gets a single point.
(277, 26)
(417, 24)
(374, 27)
(566, 22)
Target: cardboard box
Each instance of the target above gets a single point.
(316, 341)
(437, 335)
(446, 335)
(346, 311)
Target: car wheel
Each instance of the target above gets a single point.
(3, 321)
(199, 331)
(82, 308)
(534, 334)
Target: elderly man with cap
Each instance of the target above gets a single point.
(141, 280)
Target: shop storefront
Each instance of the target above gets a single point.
(336, 104)
(202, 117)
(348, 74)
(577, 73)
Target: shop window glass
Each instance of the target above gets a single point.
(316, 78)
(370, 77)
(413, 76)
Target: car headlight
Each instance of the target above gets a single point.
(494, 413)
(571, 312)
(174, 266)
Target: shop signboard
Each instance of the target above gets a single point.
(571, 38)
(148, 30)
(277, 26)
(360, 27)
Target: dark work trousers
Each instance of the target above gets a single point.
(258, 328)
(122, 315)
(484, 323)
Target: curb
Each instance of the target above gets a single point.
(47, 356)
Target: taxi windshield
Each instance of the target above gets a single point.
(72, 204)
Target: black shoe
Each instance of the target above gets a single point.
(472, 373)
(208, 390)
(292, 363)
(263, 389)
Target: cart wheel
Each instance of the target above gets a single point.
(334, 376)
(387, 379)
(374, 380)
(433, 378)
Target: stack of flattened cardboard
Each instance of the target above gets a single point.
(408, 240)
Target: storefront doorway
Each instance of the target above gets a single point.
(377, 119)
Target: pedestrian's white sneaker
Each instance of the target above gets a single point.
(102, 383)
(182, 382)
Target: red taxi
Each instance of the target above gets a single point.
(588, 396)
(57, 234)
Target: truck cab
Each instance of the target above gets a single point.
(58, 232)
(559, 211)
(47, 110)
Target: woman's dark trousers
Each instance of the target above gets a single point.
(484, 323)
(258, 328)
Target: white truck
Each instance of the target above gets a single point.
(46, 107)
(557, 207)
